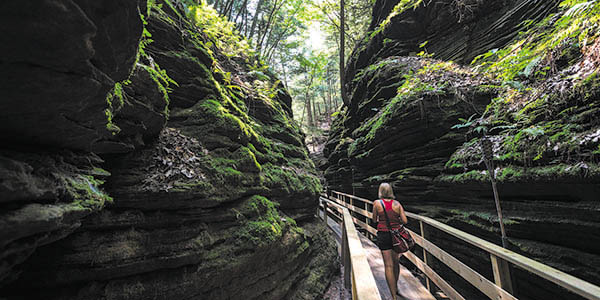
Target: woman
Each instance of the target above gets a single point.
(395, 212)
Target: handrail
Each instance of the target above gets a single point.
(571, 283)
(500, 257)
(356, 266)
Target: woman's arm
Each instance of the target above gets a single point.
(402, 214)
(374, 217)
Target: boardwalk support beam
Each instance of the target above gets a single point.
(501, 271)
(426, 256)
(346, 258)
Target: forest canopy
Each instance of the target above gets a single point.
(298, 40)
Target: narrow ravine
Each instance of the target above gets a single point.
(176, 149)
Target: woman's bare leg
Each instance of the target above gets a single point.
(388, 262)
(396, 258)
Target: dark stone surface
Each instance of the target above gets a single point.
(381, 10)
(59, 62)
(44, 198)
(205, 205)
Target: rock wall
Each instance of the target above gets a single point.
(141, 160)
(416, 120)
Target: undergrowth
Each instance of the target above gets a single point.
(534, 53)
(544, 116)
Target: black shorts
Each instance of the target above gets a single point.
(384, 240)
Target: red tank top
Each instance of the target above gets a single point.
(394, 217)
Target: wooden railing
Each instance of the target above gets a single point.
(357, 272)
(500, 258)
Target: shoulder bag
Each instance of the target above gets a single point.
(401, 239)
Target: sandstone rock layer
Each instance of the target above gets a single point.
(217, 202)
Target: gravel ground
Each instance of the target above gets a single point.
(336, 290)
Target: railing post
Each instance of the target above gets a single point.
(346, 257)
(325, 212)
(368, 221)
(501, 270)
(426, 256)
(319, 208)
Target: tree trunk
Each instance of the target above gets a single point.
(242, 8)
(257, 14)
(342, 56)
(311, 121)
(327, 98)
(308, 110)
(331, 92)
(229, 12)
(326, 103)
(224, 7)
(315, 116)
(335, 99)
(284, 73)
(244, 26)
(263, 41)
(276, 7)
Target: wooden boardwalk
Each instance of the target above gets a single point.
(408, 286)
(364, 271)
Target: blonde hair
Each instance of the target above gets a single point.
(386, 191)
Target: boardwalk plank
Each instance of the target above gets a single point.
(408, 286)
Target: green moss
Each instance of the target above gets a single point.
(261, 224)
(590, 86)
(84, 191)
(99, 172)
(512, 173)
(564, 170)
(540, 126)
(200, 187)
(219, 119)
(377, 178)
(115, 93)
(261, 206)
(371, 70)
(236, 168)
(488, 88)
(480, 219)
(401, 7)
(473, 175)
(292, 222)
(292, 180)
(250, 143)
(414, 88)
(162, 80)
(110, 126)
